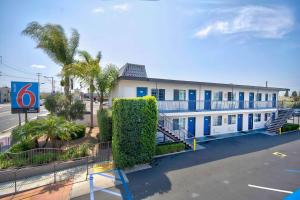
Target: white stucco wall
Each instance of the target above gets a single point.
(127, 88)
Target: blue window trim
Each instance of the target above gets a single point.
(138, 89)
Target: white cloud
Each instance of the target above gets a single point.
(253, 21)
(121, 7)
(38, 66)
(98, 10)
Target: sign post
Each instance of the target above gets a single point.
(25, 98)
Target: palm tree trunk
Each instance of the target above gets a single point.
(91, 106)
(101, 100)
(67, 88)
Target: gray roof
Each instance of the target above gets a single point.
(133, 70)
(138, 72)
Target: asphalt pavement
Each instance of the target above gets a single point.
(8, 120)
(249, 167)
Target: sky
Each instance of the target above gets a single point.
(241, 42)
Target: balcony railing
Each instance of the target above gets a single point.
(203, 105)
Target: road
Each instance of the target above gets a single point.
(8, 120)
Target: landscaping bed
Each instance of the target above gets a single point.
(169, 148)
(289, 127)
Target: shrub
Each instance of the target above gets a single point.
(169, 148)
(289, 127)
(79, 131)
(23, 145)
(59, 105)
(134, 130)
(105, 125)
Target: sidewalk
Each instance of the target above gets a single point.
(70, 183)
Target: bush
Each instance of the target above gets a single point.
(169, 148)
(79, 131)
(134, 130)
(105, 125)
(59, 105)
(289, 127)
(23, 145)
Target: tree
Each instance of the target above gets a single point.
(52, 39)
(87, 70)
(58, 104)
(106, 80)
(286, 94)
(295, 95)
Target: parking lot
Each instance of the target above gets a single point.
(249, 167)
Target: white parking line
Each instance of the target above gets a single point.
(272, 189)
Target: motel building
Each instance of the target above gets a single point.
(189, 109)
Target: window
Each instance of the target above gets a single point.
(266, 97)
(141, 91)
(230, 96)
(257, 117)
(218, 96)
(267, 116)
(258, 97)
(182, 123)
(161, 94)
(175, 124)
(217, 121)
(179, 95)
(231, 119)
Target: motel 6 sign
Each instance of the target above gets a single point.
(25, 97)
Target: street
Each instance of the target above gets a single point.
(8, 120)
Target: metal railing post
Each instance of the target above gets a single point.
(87, 167)
(16, 180)
(54, 172)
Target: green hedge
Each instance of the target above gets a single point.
(105, 125)
(134, 130)
(169, 148)
(289, 127)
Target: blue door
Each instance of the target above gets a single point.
(191, 127)
(192, 100)
(207, 100)
(273, 116)
(240, 122)
(207, 120)
(251, 100)
(274, 100)
(241, 100)
(141, 91)
(250, 121)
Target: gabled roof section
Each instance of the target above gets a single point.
(133, 70)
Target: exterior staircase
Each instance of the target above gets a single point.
(165, 126)
(273, 126)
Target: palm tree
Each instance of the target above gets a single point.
(52, 39)
(87, 70)
(106, 80)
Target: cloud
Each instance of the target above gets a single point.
(253, 21)
(98, 10)
(38, 66)
(121, 7)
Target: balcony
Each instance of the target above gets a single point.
(203, 105)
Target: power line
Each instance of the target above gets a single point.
(16, 69)
(17, 77)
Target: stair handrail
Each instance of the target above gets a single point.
(182, 131)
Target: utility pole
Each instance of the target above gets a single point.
(0, 59)
(52, 83)
(38, 75)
